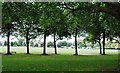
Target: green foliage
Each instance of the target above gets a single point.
(69, 44)
(53, 20)
(28, 20)
(62, 43)
(8, 17)
(42, 44)
(5, 43)
(20, 42)
(50, 44)
(32, 19)
(14, 44)
(36, 45)
(31, 43)
(80, 45)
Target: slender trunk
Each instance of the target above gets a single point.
(44, 47)
(104, 42)
(27, 42)
(55, 44)
(8, 43)
(100, 45)
(76, 52)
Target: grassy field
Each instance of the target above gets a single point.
(88, 60)
(22, 62)
(64, 51)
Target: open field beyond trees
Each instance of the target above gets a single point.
(63, 51)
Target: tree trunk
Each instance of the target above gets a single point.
(27, 42)
(44, 47)
(55, 44)
(76, 52)
(8, 44)
(104, 42)
(100, 45)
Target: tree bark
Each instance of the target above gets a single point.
(100, 45)
(76, 52)
(44, 47)
(27, 42)
(8, 44)
(104, 42)
(55, 44)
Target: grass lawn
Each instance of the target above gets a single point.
(62, 62)
(63, 51)
(22, 62)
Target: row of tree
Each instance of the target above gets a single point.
(49, 44)
(30, 19)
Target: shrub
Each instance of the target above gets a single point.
(14, 43)
(69, 44)
(63, 43)
(50, 44)
(36, 45)
(5, 43)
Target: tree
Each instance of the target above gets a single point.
(76, 21)
(95, 28)
(100, 27)
(28, 20)
(44, 20)
(8, 22)
(53, 23)
(110, 8)
(96, 7)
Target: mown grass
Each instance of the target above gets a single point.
(63, 51)
(88, 60)
(37, 62)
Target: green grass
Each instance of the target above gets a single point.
(64, 51)
(88, 60)
(35, 62)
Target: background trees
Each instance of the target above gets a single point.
(50, 44)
